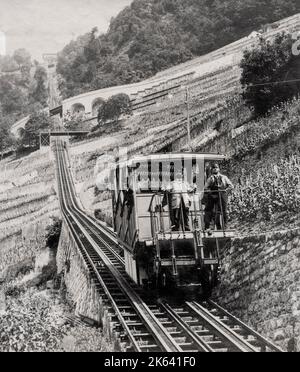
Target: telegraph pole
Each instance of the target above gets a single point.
(188, 118)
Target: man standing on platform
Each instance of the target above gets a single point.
(216, 200)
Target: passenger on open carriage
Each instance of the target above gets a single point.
(216, 198)
(128, 199)
(178, 197)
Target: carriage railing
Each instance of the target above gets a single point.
(185, 211)
(180, 212)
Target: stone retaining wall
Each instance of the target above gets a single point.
(81, 293)
(260, 284)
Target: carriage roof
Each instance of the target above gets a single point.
(171, 157)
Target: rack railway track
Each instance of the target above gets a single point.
(143, 324)
(140, 327)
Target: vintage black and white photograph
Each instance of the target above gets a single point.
(149, 178)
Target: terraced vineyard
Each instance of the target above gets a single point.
(28, 201)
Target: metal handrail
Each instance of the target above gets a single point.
(197, 209)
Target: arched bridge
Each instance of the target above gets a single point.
(88, 103)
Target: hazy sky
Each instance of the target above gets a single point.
(46, 26)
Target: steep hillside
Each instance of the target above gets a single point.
(28, 202)
(263, 153)
(264, 163)
(152, 35)
(35, 313)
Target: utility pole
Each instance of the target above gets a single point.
(188, 118)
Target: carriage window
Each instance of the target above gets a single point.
(141, 177)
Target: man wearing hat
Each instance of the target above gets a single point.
(216, 189)
(181, 192)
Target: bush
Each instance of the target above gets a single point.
(274, 189)
(112, 109)
(260, 134)
(102, 216)
(265, 68)
(53, 234)
(14, 291)
(30, 136)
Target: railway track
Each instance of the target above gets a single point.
(143, 324)
(139, 325)
(214, 327)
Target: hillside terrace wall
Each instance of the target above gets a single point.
(81, 292)
(20, 248)
(28, 203)
(260, 284)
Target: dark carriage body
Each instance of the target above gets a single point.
(156, 253)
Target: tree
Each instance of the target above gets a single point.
(53, 233)
(37, 122)
(92, 48)
(114, 107)
(23, 59)
(12, 96)
(151, 35)
(39, 91)
(21, 94)
(8, 64)
(6, 138)
(74, 124)
(265, 72)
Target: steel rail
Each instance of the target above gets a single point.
(265, 342)
(89, 221)
(106, 291)
(104, 230)
(224, 331)
(162, 337)
(113, 303)
(96, 233)
(202, 346)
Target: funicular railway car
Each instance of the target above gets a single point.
(158, 216)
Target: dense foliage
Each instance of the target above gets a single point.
(273, 189)
(30, 135)
(265, 164)
(23, 90)
(53, 233)
(114, 107)
(271, 74)
(151, 35)
(6, 138)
